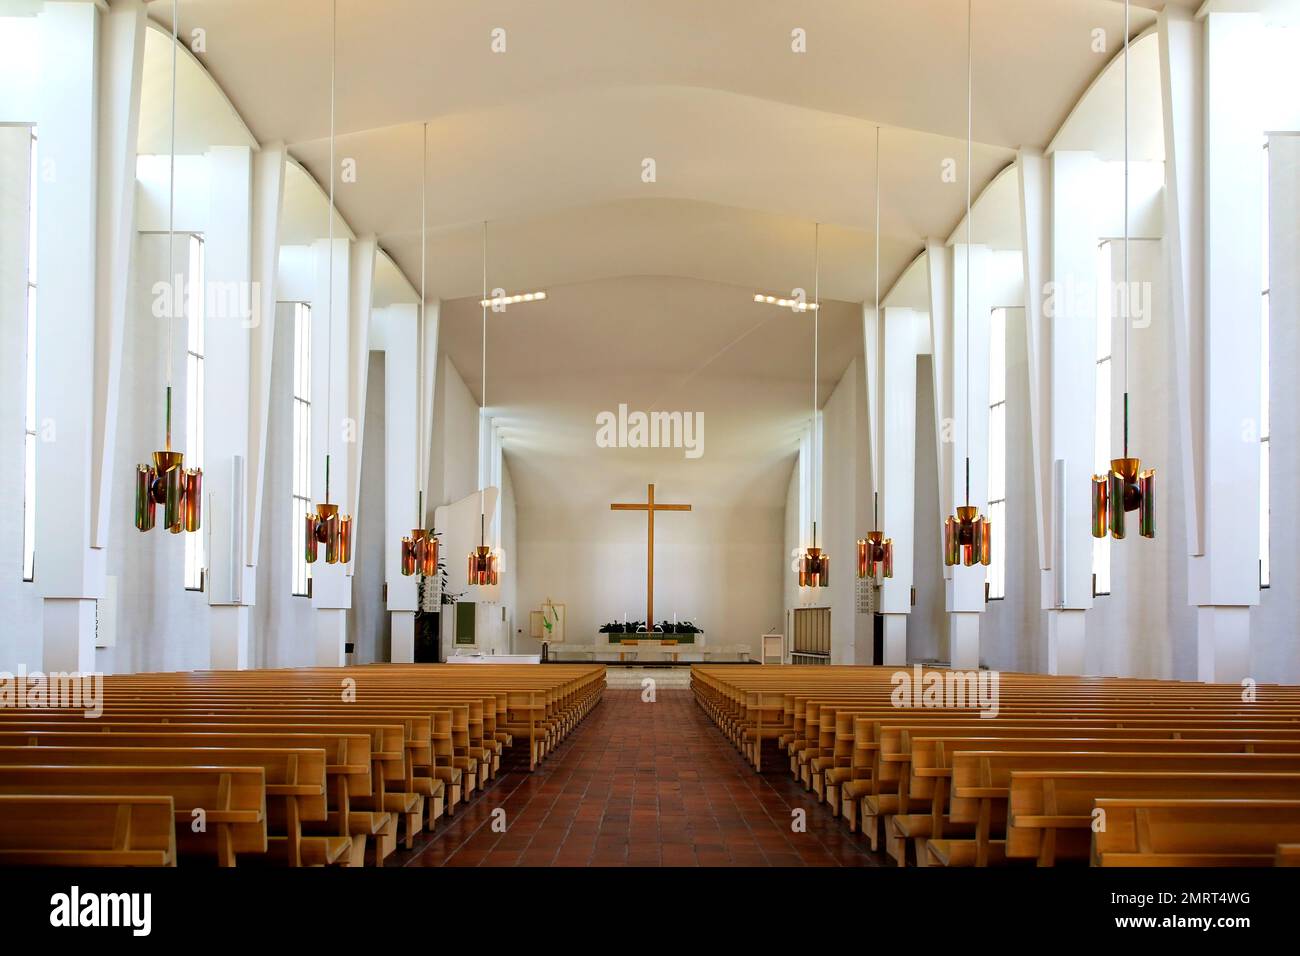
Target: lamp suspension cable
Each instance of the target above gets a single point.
(171, 232)
(817, 298)
(875, 464)
(329, 275)
(419, 333)
(1127, 287)
(482, 502)
(970, 110)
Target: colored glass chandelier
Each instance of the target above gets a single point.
(814, 565)
(326, 525)
(1125, 487)
(484, 568)
(876, 552)
(967, 535)
(420, 553)
(167, 481)
(420, 547)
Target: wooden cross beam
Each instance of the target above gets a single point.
(649, 508)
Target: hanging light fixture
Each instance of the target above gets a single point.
(1126, 487)
(875, 551)
(484, 564)
(420, 547)
(167, 481)
(326, 525)
(968, 535)
(814, 566)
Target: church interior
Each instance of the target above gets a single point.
(427, 429)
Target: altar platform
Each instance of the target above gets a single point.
(638, 649)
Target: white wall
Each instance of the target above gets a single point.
(160, 625)
(1145, 627)
(793, 537)
(284, 634)
(846, 514)
(714, 566)
(1275, 623)
(1012, 627)
(369, 623)
(453, 449)
(927, 631)
(20, 603)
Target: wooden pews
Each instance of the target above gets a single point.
(1187, 832)
(49, 830)
(1013, 777)
(302, 767)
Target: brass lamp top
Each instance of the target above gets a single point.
(1126, 468)
(967, 513)
(165, 461)
(876, 537)
(326, 511)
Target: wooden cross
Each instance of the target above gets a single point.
(649, 508)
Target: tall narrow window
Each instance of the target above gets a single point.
(997, 573)
(194, 320)
(301, 445)
(1265, 573)
(29, 415)
(1103, 409)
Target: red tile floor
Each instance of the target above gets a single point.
(641, 784)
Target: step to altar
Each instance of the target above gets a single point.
(668, 678)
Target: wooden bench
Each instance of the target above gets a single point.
(232, 800)
(1180, 832)
(1050, 815)
(295, 786)
(982, 786)
(849, 742)
(986, 763)
(58, 830)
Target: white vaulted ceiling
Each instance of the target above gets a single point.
(651, 283)
(752, 142)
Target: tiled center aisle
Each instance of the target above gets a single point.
(642, 784)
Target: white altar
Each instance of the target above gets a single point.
(495, 659)
(651, 647)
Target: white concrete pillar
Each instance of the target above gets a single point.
(231, 634)
(228, 295)
(904, 336)
(331, 429)
(1213, 136)
(895, 639)
(331, 636)
(69, 635)
(87, 117)
(1072, 317)
(1222, 644)
(962, 408)
(267, 208)
(1066, 644)
(403, 631)
(394, 333)
(964, 640)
